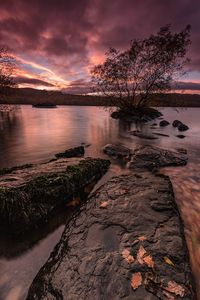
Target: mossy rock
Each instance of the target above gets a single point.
(28, 196)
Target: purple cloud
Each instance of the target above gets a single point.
(68, 36)
(32, 81)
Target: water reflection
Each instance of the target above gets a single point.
(35, 135)
(186, 184)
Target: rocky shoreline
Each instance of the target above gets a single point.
(126, 242)
(29, 194)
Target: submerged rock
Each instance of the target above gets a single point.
(151, 157)
(28, 195)
(160, 134)
(142, 135)
(72, 152)
(182, 150)
(86, 145)
(137, 235)
(181, 136)
(182, 127)
(178, 124)
(117, 151)
(164, 123)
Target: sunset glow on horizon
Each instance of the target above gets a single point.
(57, 42)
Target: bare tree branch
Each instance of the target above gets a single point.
(129, 78)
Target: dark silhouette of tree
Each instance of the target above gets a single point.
(128, 78)
(7, 66)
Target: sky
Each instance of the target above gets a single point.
(56, 42)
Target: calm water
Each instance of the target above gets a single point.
(34, 135)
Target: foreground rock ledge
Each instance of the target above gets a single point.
(134, 213)
(30, 193)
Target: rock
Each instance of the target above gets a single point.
(164, 123)
(182, 127)
(142, 135)
(86, 145)
(115, 114)
(143, 114)
(153, 126)
(176, 123)
(72, 152)
(45, 105)
(30, 194)
(160, 134)
(91, 262)
(182, 150)
(180, 136)
(151, 157)
(117, 151)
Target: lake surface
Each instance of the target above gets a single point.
(32, 135)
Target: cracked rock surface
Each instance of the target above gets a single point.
(127, 213)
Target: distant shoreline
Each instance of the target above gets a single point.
(33, 96)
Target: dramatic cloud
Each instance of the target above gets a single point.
(32, 81)
(57, 42)
(192, 86)
(79, 86)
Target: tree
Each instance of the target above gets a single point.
(129, 78)
(7, 66)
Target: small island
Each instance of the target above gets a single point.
(45, 105)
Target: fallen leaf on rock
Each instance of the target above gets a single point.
(127, 256)
(144, 258)
(142, 238)
(104, 204)
(136, 280)
(130, 259)
(148, 260)
(168, 261)
(169, 296)
(175, 288)
(140, 255)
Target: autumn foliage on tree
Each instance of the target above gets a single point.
(128, 78)
(7, 66)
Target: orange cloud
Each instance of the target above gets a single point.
(45, 74)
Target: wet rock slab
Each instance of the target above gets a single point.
(30, 193)
(72, 152)
(101, 249)
(152, 157)
(117, 151)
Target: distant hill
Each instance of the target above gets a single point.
(34, 96)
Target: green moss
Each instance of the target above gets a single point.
(24, 206)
